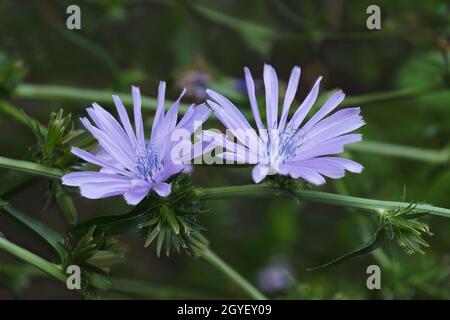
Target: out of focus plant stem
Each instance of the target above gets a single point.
(401, 151)
(261, 190)
(217, 262)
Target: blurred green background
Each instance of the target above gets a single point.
(205, 44)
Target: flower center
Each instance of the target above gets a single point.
(283, 146)
(148, 163)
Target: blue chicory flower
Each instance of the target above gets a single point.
(129, 164)
(298, 148)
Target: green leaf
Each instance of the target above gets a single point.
(373, 244)
(169, 215)
(50, 237)
(114, 224)
(161, 237)
(65, 203)
(151, 236)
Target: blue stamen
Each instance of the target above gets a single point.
(148, 163)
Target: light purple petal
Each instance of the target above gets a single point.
(159, 108)
(328, 106)
(302, 172)
(252, 98)
(329, 147)
(89, 157)
(271, 88)
(106, 122)
(76, 179)
(138, 190)
(305, 106)
(334, 120)
(337, 129)
(323, 166)
(138, 123)
(110, 146)
(244, 133)
(194, 117)
(125, 120)
(167, 124)
(163, 189)
(290, 95)
(230, 109)
(97, 190)
(348, 164)
(259, 172)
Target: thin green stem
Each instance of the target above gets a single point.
(30, 167)
(29, 257)
(221, 265)
(263, 191)
(401, 151)
(387, 95)
(49, 92)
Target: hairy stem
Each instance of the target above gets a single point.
(263, 191)
(221, 265)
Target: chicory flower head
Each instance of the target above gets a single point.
(131, 165)
(299, 148)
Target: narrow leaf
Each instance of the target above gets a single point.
(373, 244)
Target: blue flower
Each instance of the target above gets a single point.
(131, 165)
(298, 148)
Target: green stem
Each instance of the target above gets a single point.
(264, 191)
(255, 190)
(30, 167)
(46, 92)
(401, 151)
(29, 257)
(387, 95)
(217, 262)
